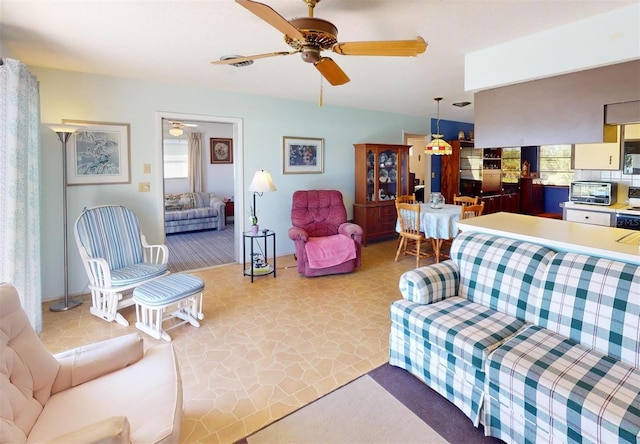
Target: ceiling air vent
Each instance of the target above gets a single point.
(239, 64)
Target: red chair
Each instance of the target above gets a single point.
(325, 242)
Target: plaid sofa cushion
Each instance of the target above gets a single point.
(595, 302)
(553, 387)
(498, 272)
(464, 329)
(430, 284)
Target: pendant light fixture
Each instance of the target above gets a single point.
(438, 145)
(175, 129)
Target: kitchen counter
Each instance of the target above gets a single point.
(559, 235)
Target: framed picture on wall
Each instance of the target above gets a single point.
(99, 153)
(221, 150)
(303, 155)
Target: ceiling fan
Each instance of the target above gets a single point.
(176, 127)
(310, 35)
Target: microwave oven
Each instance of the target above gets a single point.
(593, 193)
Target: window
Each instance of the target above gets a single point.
(510, 165)
(176, 159)
(555, 164)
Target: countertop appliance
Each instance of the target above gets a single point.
(593, 193)
(629, 216)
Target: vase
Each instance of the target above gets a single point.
(254, 229)
(436, 200)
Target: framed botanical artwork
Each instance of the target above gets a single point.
(221, 150)
(303, 155)
(99, 153)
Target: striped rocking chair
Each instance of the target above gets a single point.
(116, 257)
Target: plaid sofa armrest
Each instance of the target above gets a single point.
(432, 283)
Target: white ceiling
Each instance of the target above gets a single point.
(174, 41)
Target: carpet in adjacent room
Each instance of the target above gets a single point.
(195, 250)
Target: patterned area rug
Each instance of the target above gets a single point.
(387, 405)
(195, 250)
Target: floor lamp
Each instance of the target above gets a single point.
(64, 132)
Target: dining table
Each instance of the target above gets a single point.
(438, 224)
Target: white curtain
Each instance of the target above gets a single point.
(195, 162)
(20, 185)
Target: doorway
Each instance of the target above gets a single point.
(231, 187)
(419, 163)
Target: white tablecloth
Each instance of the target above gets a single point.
(438, 223)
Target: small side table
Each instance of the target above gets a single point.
(254, 240)
(229, 210)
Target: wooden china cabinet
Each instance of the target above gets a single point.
(382, 173)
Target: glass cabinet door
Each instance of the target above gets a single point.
(371, 176)
(387, 175)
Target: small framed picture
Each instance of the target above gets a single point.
(221, 150)
(303, 155)
(99, 153)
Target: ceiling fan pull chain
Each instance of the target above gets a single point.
(320, 100)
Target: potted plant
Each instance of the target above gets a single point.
(254, 220)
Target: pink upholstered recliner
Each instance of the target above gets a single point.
(325, 242)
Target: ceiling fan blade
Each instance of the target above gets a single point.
(270, 16)
(331, 71)
(253, 57)
(402, 48)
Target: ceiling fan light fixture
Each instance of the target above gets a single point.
(310, 53)
(176, 132)
(438, 145)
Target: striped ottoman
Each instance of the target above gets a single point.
(183, 291)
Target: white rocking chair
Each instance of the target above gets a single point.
(116, 257)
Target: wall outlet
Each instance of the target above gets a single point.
(144, 187)
(147, 168)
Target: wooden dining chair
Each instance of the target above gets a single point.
(469, 211)
(465, 200)
(411, 237)
(406, 198)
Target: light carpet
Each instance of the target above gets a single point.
(195, 250)
(360, 412)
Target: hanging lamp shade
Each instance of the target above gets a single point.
(438, 145)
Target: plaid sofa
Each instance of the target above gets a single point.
(193, 211)
(538, 346)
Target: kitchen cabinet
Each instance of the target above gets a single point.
(510, 203)
(381, 173)
(598, 156)
(603, 218)
(492, 204)
(531, 196)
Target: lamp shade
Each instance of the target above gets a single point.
(262, 182)
(438, 146)
(62, 127)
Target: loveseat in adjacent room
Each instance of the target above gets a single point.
(193, 211)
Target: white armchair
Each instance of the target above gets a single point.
(107, 392)
(116, 257)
